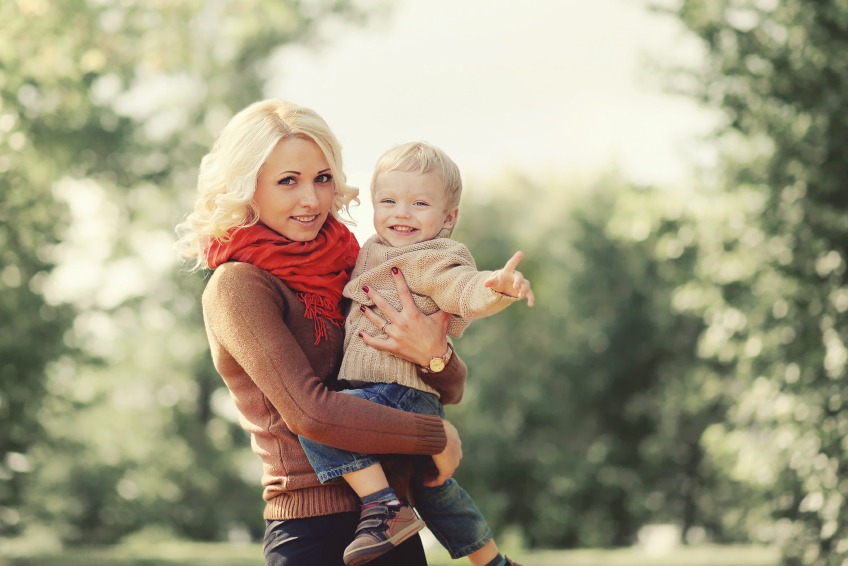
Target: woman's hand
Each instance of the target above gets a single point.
(411, 335)
(447, 461)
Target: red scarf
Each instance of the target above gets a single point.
(318, 270)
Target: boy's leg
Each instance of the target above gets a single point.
(455, 520)
(331, 463)
(386, 520)
(367, 481)
(383, 525)
(486, 555)
(450, 508)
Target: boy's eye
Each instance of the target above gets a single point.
(387, 201)
(421, 203)
(323, 178)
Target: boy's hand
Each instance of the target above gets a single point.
(508, 281)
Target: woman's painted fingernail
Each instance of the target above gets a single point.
(359, 334)
(362, 308)
(395, 270)
(365, 288)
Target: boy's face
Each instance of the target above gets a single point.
(410, 207)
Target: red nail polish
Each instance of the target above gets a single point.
(359, 334)
(365, 288)
(362, 308)
(395, 270)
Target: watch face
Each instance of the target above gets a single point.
(437, 364)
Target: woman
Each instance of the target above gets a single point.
(266, 220)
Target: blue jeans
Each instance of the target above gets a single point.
(448, 510)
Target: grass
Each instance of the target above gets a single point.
(224, 554)
(161, 554)
(705, 555)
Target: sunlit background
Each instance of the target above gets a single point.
(555, 87)
(674, 171)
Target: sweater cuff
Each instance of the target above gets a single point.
(431, 434)
(498, 298)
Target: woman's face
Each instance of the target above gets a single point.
(294, 190)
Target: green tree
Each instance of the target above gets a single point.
(584, 415)
(116, 418)
(32, 332)
(779, 72)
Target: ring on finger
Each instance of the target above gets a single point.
(385, 324)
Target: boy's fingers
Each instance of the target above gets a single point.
(518, 280)
(513, 261)
(492, 280)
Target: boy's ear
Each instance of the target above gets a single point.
(451, 219)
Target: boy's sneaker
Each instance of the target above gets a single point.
(382, 526)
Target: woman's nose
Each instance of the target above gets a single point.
(309, 196)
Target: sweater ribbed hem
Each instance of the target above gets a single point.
(312, 502)
(431, 434)
(363, 363)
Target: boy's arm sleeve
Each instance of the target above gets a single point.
(453, 282)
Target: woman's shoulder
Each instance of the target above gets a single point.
(236, 270)
(237, 280)
(235, 274)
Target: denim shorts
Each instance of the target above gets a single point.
(448, 510)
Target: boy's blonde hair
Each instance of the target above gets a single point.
(421, 158)
(227, 178)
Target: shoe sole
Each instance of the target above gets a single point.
(369, 553)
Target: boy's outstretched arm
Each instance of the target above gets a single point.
(508, 281)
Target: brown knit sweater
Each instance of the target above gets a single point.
(263, 347)
(441, 273)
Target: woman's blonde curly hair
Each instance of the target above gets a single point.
(227, 177)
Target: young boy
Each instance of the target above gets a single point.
(415, 190)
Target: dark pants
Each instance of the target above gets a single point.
(320, 541)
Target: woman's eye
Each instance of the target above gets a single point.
(324, 178)
(286, 181)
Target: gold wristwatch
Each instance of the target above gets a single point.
(438, 363)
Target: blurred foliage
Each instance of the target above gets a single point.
(684, 363)
(113, 416)
(596, 396)
(779, 73)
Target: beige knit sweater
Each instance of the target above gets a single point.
(283, 385)
(441, 274)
